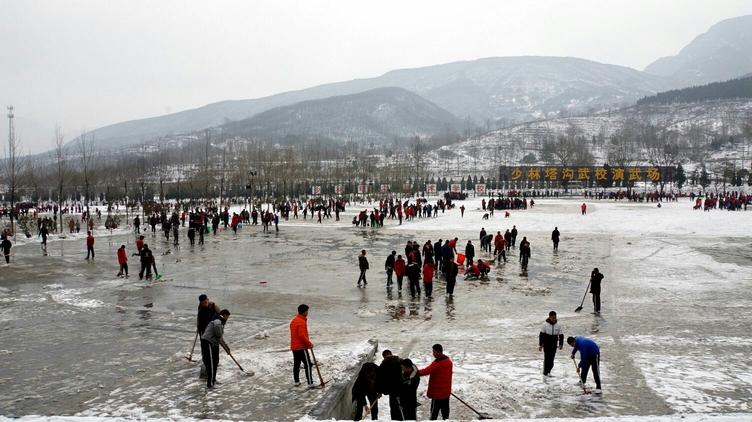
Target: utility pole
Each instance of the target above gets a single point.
(11, 165)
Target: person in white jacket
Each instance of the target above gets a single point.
(549, 338)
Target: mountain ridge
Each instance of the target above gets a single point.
(513, 88)
(379, 115)
(723, 52)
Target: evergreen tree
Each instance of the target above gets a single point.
(482, 180)
(680, 177)
(704, 178)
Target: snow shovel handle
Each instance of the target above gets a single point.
(579, 308)
(232, 357)
(315, 363)
(190, 356)
(480, 415)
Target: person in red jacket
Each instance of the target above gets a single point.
(428, 278)
(299, 344)
(122, 258)
(139, 244)
(500, 245)
(484, 268)
(439, 382)
(399, 270)
(89, 246)
(235, 222)
(583, 208)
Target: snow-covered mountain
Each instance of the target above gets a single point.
(377, 116)
(699, 122)
(506, 88)
(721, 53)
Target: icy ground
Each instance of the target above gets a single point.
(76, 340)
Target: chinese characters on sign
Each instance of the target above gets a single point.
(339, 189)
(316, 190)
(456, 187)
(430, 187)
(584, 174)
(480, 188)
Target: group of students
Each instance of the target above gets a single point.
(423, 263)
(426, 262)
(399, 379)
(395, 377)
(146, 258)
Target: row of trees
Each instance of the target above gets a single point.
(210, 165)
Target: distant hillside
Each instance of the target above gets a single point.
(696, 123)
(508, 88)
(735, 88)
(722, 53)
(379, 115)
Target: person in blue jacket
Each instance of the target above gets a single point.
(590, 356)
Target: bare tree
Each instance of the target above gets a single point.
(86, 151)
(417, 150)
(60, 156)
(664, 150)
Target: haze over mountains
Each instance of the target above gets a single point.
(501, 90)
(721, 53)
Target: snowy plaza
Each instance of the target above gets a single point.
(79, 341)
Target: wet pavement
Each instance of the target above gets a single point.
(78, 340)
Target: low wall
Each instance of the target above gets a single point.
(337, 401)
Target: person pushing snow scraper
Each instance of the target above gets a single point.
(590, 357)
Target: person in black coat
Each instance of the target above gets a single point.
(363, 265)
(365, 387)
(413, 276)
(5, 245)
(524, 253)
(469, 254)
(555, 238)
(389, 382)
(409, 391)
(438, 256)
(389, 267)
(595, 288)
(451, 276)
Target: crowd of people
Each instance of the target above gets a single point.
(422, 264)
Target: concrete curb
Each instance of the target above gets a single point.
(336, 403)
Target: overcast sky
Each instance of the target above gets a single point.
(85, 64)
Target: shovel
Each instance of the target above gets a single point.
(190, 356)
(317, 368)
(579, 308)
(480, 415)
(582, 384)
(368, 411)
(249, 373)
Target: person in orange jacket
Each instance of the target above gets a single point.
(439, 382)
(122, 258)
(299, 344)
